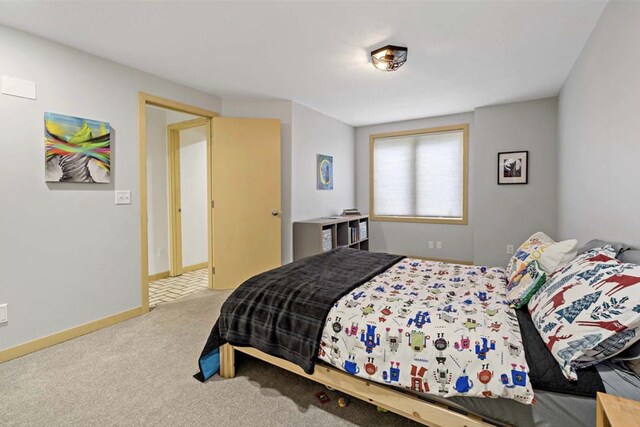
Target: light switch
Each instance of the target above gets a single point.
(430, 244)
(438, 244)
(509, 249)
(18, 87)
(4, 316)
(123, 197)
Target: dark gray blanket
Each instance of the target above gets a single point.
(544, 371)
(282, 311)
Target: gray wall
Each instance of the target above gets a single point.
(498, 215)
(68, 255)
(411, 238)
(508, 214)
(599, 142)
(315, 133)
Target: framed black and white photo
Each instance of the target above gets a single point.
(513, 167)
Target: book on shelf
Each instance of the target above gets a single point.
(351, 211)
(354, 235)
(363, 230)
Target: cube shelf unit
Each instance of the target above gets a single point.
(308, 235)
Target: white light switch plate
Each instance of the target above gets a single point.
(430, 244)
(123, 197)
(438, 244)
(4, 316)
(509, 249)
(18, 87)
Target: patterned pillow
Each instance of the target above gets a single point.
(589, 310)
(549, 254)
(525, 283)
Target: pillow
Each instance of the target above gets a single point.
(631, 256)
(597, 243)
(589, 310)
(524, 284)
(549, 254)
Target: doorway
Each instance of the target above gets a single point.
(175, 200)
(244, 175)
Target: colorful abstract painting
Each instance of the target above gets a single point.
(325, 172)
(76, 149)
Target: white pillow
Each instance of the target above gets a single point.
(550, 255)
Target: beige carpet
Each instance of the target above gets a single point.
(140, 373)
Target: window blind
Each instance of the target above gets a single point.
(419, 175)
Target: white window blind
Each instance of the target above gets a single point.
(419, 175)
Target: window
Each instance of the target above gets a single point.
(420, 176)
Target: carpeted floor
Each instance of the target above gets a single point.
(139, 372)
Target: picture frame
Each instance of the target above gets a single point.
(513, 167)
(324, 172)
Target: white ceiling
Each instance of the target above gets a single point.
(462, 54)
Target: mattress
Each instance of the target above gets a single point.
(368, 333)
(554, 409)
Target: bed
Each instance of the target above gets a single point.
(431, 341)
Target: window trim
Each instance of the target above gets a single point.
(464, 220)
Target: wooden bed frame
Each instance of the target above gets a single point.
(404, 404)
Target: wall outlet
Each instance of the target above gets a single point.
(430, 244)
(509, 249)
(4, 315)
(438, 244)
(123, 197)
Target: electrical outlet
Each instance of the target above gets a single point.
(4, 316)
(123, 197)
(430, 244)
(509, 249)
(438, 244)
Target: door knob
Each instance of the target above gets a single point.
(275, 212)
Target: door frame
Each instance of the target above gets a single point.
(145, 99)
(175, 196)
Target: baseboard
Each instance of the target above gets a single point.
(57, 338)
(195, 267)
(158, 276)
(187, 269)
(450, 261)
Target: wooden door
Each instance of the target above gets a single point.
(246, 199)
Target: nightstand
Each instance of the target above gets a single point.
(614, 411)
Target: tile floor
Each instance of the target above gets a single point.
(172, 288)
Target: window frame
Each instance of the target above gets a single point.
(464, 220)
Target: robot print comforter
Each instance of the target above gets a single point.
(431, 327)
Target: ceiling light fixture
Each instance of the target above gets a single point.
(389, 58)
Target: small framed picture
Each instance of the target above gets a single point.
(513, 167)
(325, 172)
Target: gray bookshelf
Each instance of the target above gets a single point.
(319, 235)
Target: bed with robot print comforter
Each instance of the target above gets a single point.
(431, 327)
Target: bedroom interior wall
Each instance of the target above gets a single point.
(68, 254)
(509, 214)
(316, 133)
(157, 190)
(193, 195)
(412, 238)
(498, 215)
(598, 133)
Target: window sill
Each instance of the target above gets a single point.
(420, 219)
